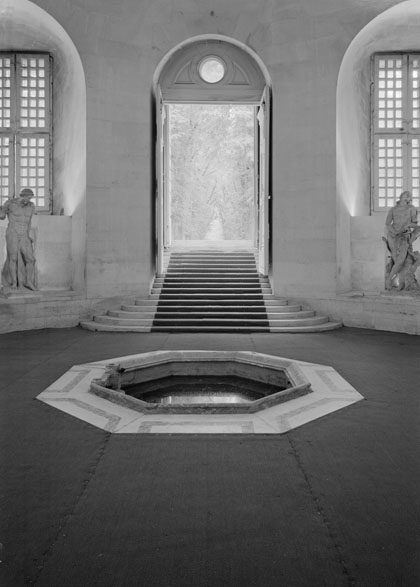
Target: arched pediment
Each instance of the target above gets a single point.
(242, 78)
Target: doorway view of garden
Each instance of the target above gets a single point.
(211, 183)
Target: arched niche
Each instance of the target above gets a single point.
(26, 27)
(358, 230)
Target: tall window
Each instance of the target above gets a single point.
(25, 126)
(395, 128)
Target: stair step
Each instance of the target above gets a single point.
(203, 290)
(220, 302)
(201, 270)
(234, 321)
(213, 292)
(325, 326)
(179, 279)
(212, 285)
(225, 308)
(134, 321)
(209, 296)
(212, 275)
(207, 308)
(138, 308)
(137, 315)
(212, 262)
(210, 322)
(98, 327)
(212, 259)
(182, 315)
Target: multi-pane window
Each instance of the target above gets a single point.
(395, 128)
(25, 126)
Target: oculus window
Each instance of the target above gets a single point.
(395, 128)
(25, 126)
(211, 70)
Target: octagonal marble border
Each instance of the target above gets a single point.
(70, 393)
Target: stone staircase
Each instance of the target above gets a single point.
(211, 291)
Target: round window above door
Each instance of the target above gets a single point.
(211, 69)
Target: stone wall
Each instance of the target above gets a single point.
(302, 44)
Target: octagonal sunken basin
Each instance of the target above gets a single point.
(80, 392)
(203, 382)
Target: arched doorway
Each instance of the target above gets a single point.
(217, 83)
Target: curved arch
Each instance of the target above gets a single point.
(201, 39)
(396, 29)
(25, 26)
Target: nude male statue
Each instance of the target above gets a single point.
(19, 268)
(402, 230)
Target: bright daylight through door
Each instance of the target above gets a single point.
(210, 190)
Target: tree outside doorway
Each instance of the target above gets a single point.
(211, 184)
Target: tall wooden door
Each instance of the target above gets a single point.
(263, 183)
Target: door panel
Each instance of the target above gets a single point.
(263, 114)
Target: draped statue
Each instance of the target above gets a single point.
(402, 231)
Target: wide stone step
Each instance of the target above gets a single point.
(211, 267)
(323, 327)
(226, 315)
(286, 309)
(212, 259)
(211, 285)
(205, 328)
(246, 329)
(121, 321)
(180, 280)
(232, 321)
(138, 315)
(98, 327)
(210, 296)
(201, 308)
(190, 291)
(137, 309)
(209, 322)
(145, 303)
(218, 271)
(261, 301)
(212, 275)
(196, 315)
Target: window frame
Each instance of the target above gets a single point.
(402, 115)
(19, 131)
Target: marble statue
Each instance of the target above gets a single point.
(19, 268)
(402, 231)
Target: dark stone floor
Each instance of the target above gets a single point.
(333, 503)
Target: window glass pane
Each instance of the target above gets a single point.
(5, 74)
(389, 112)
(6, 170)
(36, 70)
(389, 161)
(32, 170)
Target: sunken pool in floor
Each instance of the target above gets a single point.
(204, 389)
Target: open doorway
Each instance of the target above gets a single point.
(212, 150)
(211, 174)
